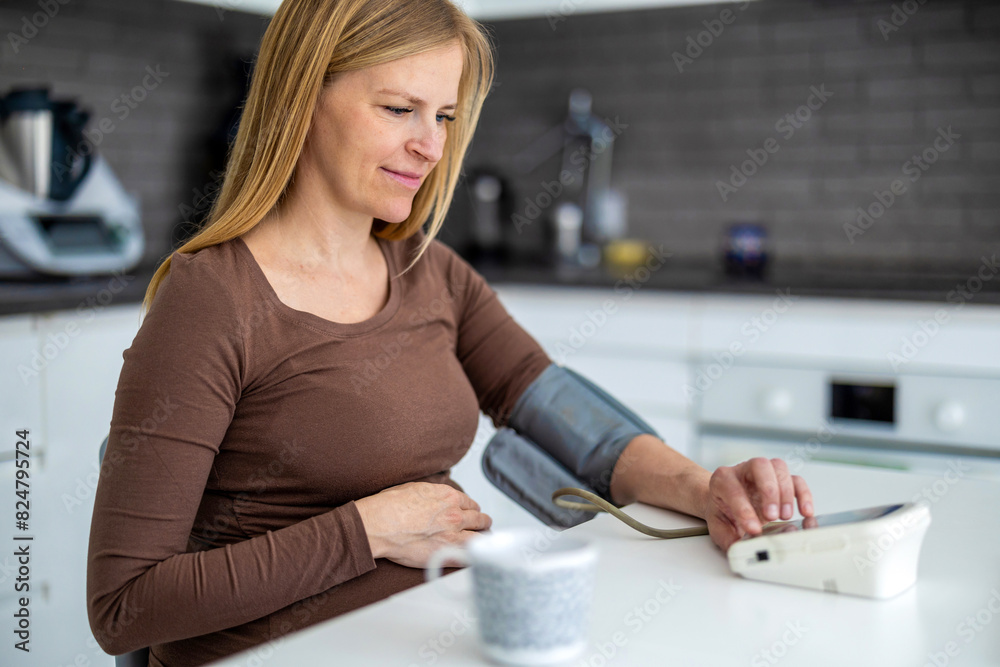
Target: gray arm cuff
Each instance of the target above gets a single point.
(580, 425)
(569, 433)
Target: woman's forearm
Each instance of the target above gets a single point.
(650, 471)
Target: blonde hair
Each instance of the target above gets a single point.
(305, 45)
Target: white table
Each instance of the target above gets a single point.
(714, 617)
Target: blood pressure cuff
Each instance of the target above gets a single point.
(564, 431)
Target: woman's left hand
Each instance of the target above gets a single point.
(743, 497)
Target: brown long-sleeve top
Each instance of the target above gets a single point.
(244, 430)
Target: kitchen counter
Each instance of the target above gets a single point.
(67, 294)
(869, 284)
(677, 602)
(76, 293)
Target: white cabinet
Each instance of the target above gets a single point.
(61, 370)
(20, 409)
(870, 336)
(78, 400)
(21, 389)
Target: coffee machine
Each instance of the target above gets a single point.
(63, 211)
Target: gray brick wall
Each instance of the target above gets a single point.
(686, 128)
(891, 93)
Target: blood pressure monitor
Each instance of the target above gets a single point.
(870, 552)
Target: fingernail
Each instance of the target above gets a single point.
(807, 508)
(786, 511)
(771, 511)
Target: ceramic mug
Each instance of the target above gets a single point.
(532, 593)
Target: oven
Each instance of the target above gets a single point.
(927, 423)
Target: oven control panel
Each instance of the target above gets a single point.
(922, 410)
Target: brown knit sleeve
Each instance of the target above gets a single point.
(176, 396)
(499, 357)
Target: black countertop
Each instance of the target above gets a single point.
(82, 293)
(77, 293)
(928, 286)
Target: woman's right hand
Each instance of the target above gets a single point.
(409, 522)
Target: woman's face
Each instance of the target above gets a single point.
(378, 132)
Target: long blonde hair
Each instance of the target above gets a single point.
(305, 45)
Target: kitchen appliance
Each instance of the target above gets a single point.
(871, 552)
(490, 200)
(62, 210)
(588, 144)
(576, 155)
(933, 423)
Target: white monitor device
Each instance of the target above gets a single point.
(871, 552)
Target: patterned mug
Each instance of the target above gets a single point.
(532, 590)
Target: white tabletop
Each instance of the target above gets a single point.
(676, 601)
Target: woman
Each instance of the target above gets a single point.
(262, 473)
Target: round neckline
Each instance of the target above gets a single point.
(321, 323)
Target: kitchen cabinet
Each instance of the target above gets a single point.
(799, 331)
(61, 371)
(20, 391)
(20, 408)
